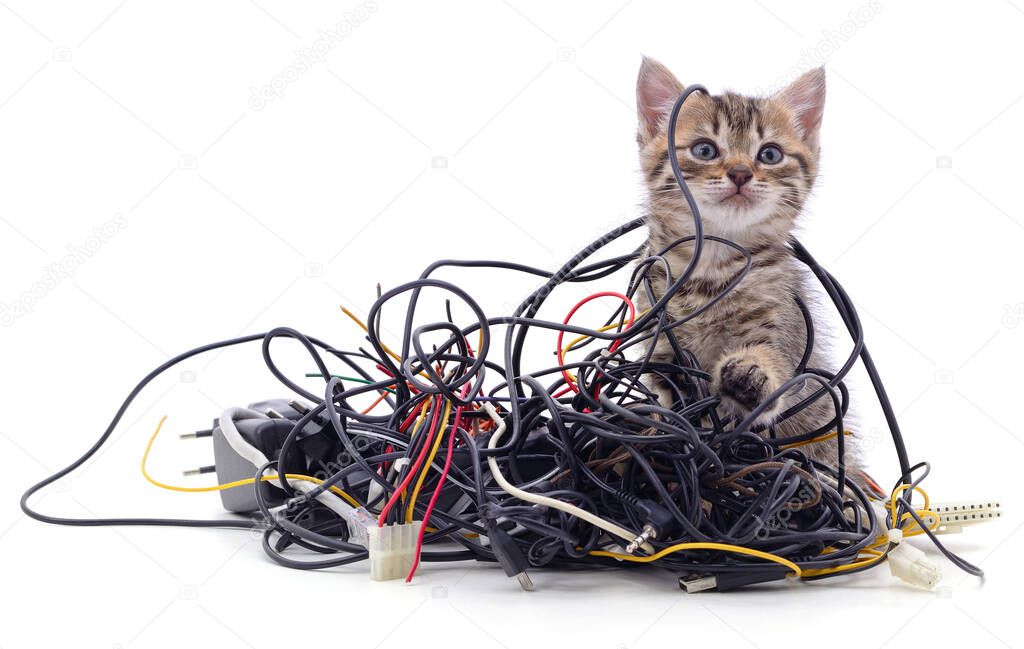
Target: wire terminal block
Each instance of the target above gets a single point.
(392, 550)
(912, 566)
(954, 516)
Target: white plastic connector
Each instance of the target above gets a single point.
(401, 463)
(954, 516)
(392, 550)
(375, 489)
(360, 522)
(614, 548)
(912, 566)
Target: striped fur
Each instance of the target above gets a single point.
(751, 341)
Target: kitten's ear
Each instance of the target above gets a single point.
(656, 91)
(805, 99)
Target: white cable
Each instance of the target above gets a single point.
(234, 439)
(512, 490)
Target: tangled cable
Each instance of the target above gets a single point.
(575, 465)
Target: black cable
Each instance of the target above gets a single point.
(600, 440)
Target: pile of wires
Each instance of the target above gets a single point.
(577, 465)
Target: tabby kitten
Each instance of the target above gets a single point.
(750, 163)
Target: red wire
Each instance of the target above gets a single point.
(415, 466)
(438, 488)
(561, 393)
(391, 376)
(408, 420)
(437, 491)
(614, 345)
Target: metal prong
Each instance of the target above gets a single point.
(524, 581)
(201, 470)
(298, 406)
(197, 434)
(273, 414)
(644, 536)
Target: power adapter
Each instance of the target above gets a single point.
(243, 440)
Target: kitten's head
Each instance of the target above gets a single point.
(750, 162)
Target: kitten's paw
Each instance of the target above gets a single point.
(745, 378)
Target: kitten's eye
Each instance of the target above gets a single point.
(704, 150)
(770, 154)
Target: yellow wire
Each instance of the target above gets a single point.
(419, 420)
(842, 568)
(815, 440)
(895, 494)
(874, 550)
(681, 547)
(362, 325)
(430, 460)
(437, 442)
(577, 339)
(230, 485)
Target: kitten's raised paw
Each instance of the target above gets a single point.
(744, 379)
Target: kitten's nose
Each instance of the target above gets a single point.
(740, 174)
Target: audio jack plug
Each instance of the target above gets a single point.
(648, 533)
(658, 521)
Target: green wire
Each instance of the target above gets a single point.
(346, 378)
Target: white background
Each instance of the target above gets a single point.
(237, 220)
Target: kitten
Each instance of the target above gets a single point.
(750, 164)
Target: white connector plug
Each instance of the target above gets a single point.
(360, 521)
(955, 515)
(912, 566)
(392, 550)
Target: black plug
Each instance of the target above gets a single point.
(508, 554)
(726, 581)
(658, 520)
